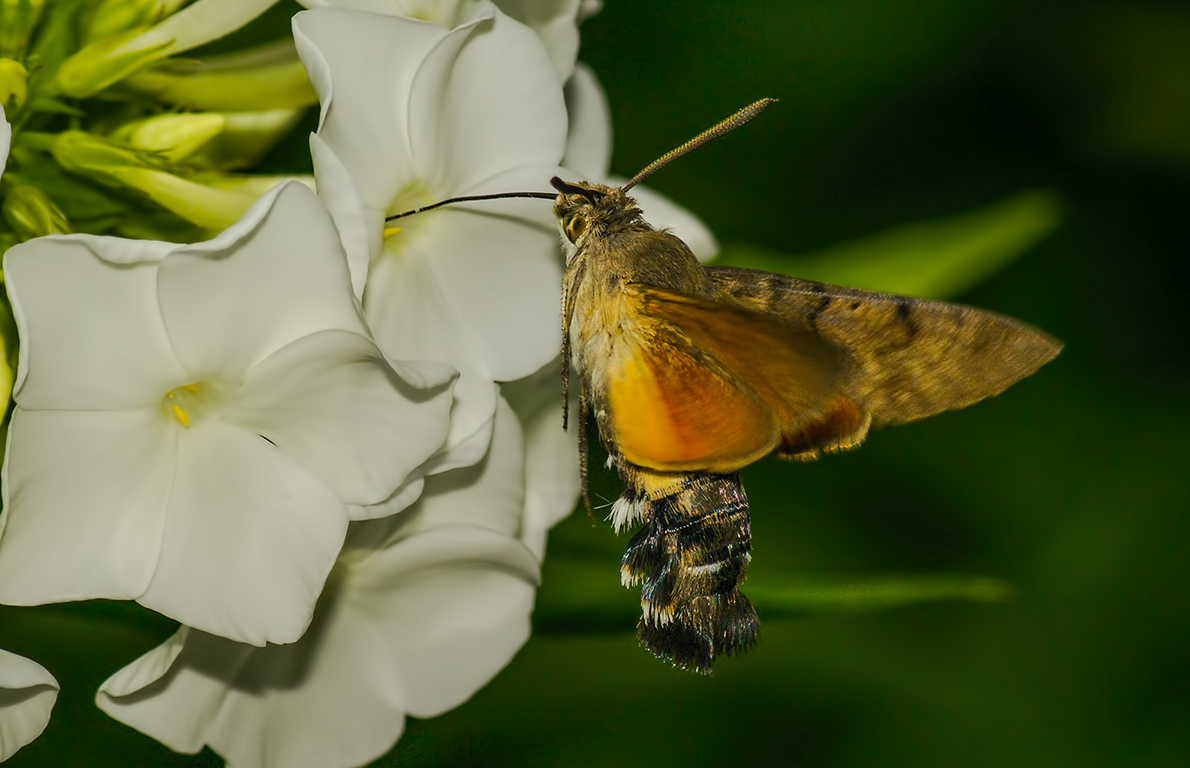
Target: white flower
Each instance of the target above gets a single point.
(551, 455)
(193, 422)
(6, 372)
(423, 609)
(5, 139)
(589, 152)
(554, 21)
(413, 114)
(27, 695)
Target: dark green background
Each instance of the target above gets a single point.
(1072, 486)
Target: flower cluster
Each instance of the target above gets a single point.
(328, 447)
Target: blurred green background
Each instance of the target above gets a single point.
(1072, 487)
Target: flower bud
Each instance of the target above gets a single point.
(100, 64)
(246, 137)
(97, 157)
(31, 214)
(13, 83)
(113, 17)
(175, 137)
(267, 78)
(118, 164)
(18, 19)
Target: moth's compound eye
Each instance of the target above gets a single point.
(574, 227)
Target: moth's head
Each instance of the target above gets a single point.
(584, 208)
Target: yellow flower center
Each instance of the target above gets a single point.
(410, 198)
(189, 402)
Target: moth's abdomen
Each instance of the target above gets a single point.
(690, 558)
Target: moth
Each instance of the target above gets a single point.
(694, 372)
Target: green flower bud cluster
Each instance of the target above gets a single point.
(113, 131)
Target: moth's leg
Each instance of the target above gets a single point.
(583, 410)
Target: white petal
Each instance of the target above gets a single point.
(332, 403)
(589, 140)
(323, 702)
(484, 101)
(406, 494)
(496, 277)
(362, 67)
(432, 620)
(555, 22)
(408, 311)
(664, 213)
(92, 330)
(551, 454)
(5, 139)
(175, 691)
(489, 494)
(360, 228)
(588, 8)
(280, 274)
(456, 608)
(27, 696)
(250, 538)
(84, 504)
(148, 668)
(415, 626)
(469, 435)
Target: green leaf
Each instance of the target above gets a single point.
(935, 259)
(44, 103)
(56, 38)
(18, 19)
(77, 197)
(581, 594)
(817, 595)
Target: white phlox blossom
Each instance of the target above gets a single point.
(6, 372)
(423, 609)
(589, 153)
(551, 454)
(196, 424)
(413, 114)
(27, 695)
(555, 22)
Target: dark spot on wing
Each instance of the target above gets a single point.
(825, 302)
(905, 315)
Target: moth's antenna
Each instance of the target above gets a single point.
(471, 198)
(727, 126)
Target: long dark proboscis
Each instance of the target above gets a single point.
(472, 198)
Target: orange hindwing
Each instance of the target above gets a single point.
(714, 386)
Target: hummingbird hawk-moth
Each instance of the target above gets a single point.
(693, 372)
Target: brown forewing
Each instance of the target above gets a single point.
(905, 358)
